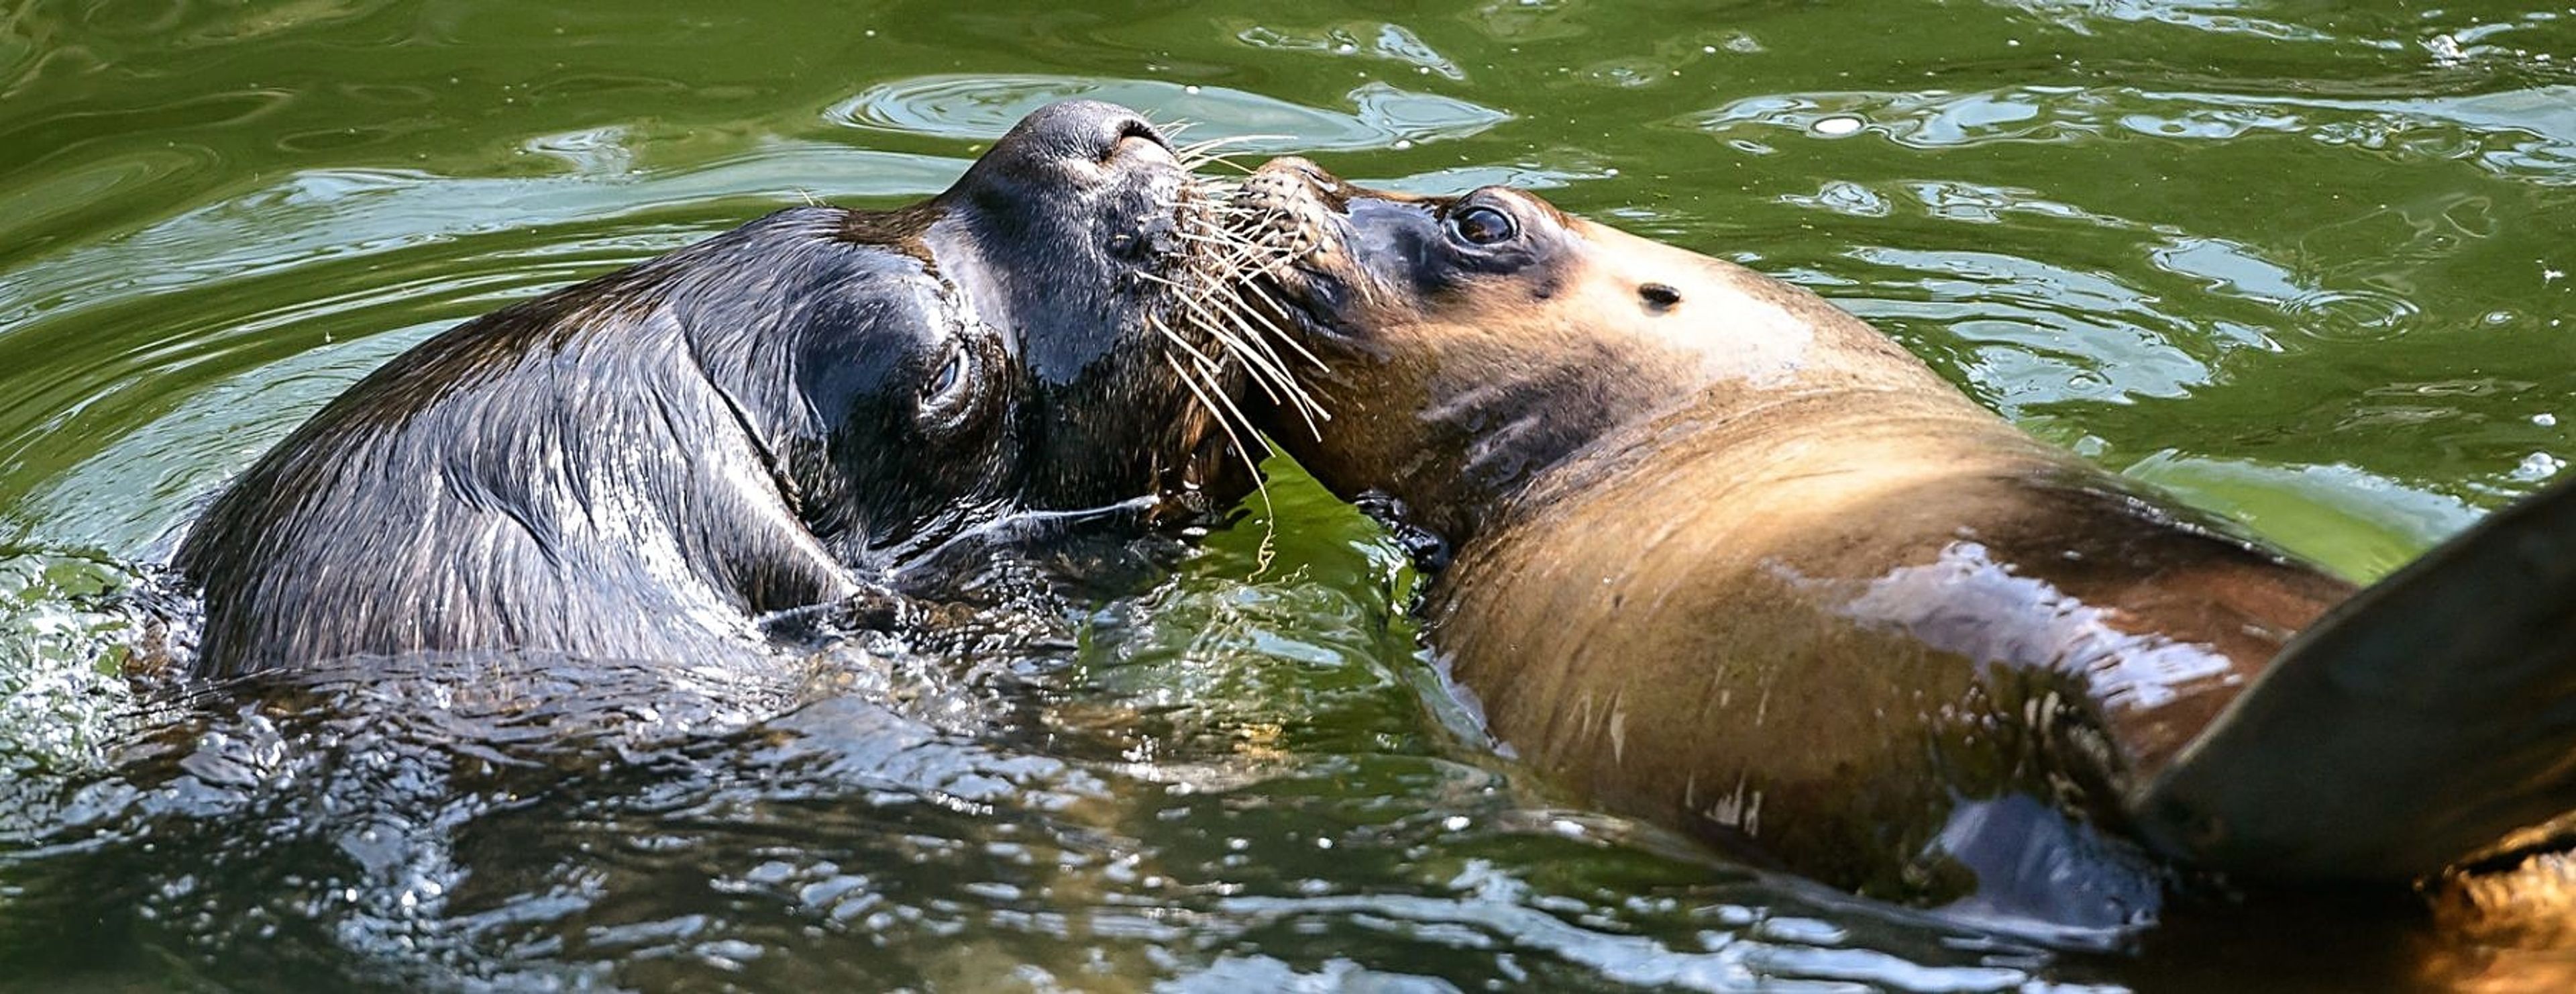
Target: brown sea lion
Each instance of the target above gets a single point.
(1728, 559)
(648, 464)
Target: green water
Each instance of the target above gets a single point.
(2306, 263)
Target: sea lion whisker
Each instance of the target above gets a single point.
(1234, 347)
(1212, 236)
(1245, 420)
(1264, 370)
(1245, 259)
(1175, 337)
(1227, 161)
(1266, 366)
(1268, 549)
(1220, 141)
(1306, 406)
(1188, 296)
(1208, 369)
(1268, 297)
(1271, 253)
(1197, 159)
(1244, 263)
(1237, 270)
(1234, 288)
(1207, 300)
(1208, 399)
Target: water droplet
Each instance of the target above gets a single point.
(1191, 89)
(1403, 144)
(2545, 419)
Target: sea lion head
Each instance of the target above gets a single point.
(1468, 342)
(1021, 332)
(1073, 236)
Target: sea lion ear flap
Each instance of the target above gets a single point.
(866, 348)
(756, 333)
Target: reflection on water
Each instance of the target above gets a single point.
(2304, 264)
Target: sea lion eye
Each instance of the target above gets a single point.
(951, 373)
(1478, 224)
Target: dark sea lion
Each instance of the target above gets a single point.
(644, 465)
(1728, 559)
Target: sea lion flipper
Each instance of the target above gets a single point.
(2422, 720)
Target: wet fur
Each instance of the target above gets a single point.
(618, 467)
(644, 465)
(1728, 559)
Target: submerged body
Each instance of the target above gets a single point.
(1728, 559)
(648, 464)
(1842, 631)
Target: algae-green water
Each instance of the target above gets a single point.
(2304, 263)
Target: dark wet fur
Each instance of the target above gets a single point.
(643, 465)
(487, 463)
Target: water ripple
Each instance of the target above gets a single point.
(2215, 16)
(2037, 333)
(1389, 42)
(983, 107)
(341, 213)
(2527, 134)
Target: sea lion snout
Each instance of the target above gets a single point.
(1088, 138)
(1090, 129)
(1073, 234)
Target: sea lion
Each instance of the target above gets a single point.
(644, 465)
(1728, 559)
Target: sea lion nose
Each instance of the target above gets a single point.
(1088, 130)
(1297, 164)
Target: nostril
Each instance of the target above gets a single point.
(1658, 297)
(1133, 128)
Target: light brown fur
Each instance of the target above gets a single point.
(1731, 560)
